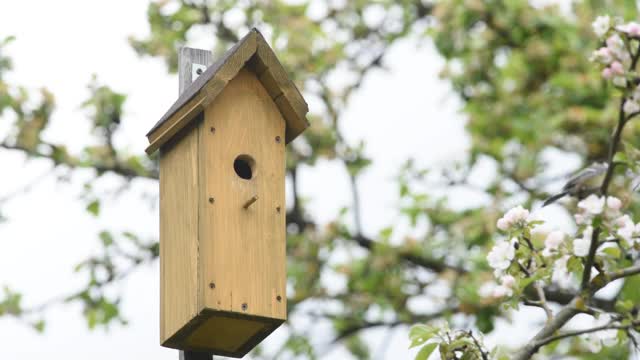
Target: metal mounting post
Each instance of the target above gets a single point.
(191, 64)
(194, 355)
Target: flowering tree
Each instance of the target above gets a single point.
(604, 248)
(527, 88)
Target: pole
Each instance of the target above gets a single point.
(191, 64)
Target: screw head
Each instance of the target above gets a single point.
(199, 71)
(244, 307)
(212, 129)
(278, 139)
(211, 200)
(212, 285)
(279, 298)
(278, 209)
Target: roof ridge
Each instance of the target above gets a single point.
(215, 78)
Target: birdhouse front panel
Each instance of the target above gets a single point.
(243, 233)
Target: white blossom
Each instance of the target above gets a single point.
(601, 25)
(581, 245)
(631, 106)
(552, 242)
(561, 274)
(617, 48)
(539, 233)
(613, 202)
(592, 342)
(602, 55)
(508, 281)
(500, 256)
(617, 68)
(626, 228)
(592, 204)
(486, 289)
(581, 219)
(505, 288)
(636, 93)
(608, 337)
(632, 28)
(501, 291)
(619, 81)
(516, 216)
(503, 224)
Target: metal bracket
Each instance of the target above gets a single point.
(197, 70)
(191, 64)
(194, 355)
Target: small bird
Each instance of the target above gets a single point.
(583, 183)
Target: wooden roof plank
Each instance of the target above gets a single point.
(253, 51)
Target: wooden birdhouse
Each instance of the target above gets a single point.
(222, 202)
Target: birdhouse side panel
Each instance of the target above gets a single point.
(243, 247)
(178, 232)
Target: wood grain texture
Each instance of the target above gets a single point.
(178, 232)
(243, 250)
(188, 57)
(180, 119)
(185, 114)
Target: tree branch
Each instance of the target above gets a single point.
(345, 333)
(543, 301)
(567, 334)
(552, 326)
(116, 167)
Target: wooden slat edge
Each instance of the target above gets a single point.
(174, 124)
(294, 108)
(280, 76)
(204, 97)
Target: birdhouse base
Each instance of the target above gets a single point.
(223, 333)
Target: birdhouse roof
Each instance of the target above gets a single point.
(251, 51)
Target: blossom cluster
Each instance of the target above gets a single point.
(615, 55)
(532, 249)
(531, 246)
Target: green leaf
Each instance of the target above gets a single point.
(106, 238)
(484, 319)
(7, 40)
(39, 326)
(620, 157)
(358, 347)
(419, 334)
(426, 350)
(624, 305)
(94, 207)
(574, 264)
(612, 251)
(630, 289)
(385, 234)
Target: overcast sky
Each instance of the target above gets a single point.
(406, 112)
